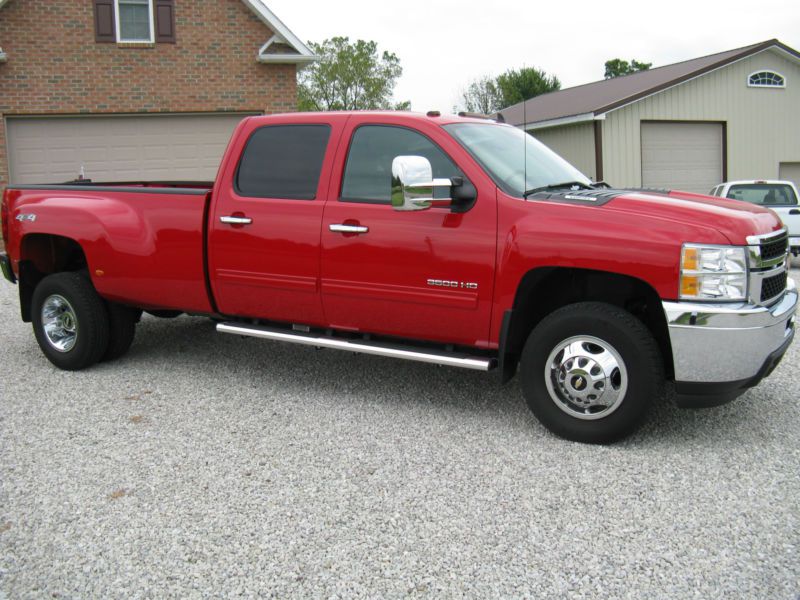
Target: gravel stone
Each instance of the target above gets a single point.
(205, 465)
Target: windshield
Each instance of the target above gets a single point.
(500, 150)
(769, 194)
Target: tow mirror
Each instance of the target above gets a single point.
(413, 184)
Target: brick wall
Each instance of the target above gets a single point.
(55, 66)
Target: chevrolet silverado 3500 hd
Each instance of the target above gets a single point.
(448, 240)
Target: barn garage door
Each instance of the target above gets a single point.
(682, 156)
(790, 171)
(153, 147)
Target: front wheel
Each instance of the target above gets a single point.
(590, 372)
(70, 321)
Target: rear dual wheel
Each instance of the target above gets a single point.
(590, 371)
(74, 326)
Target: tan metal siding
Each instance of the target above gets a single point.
(573, 142)
(763, 125)
(790, 171)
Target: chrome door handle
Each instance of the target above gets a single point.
(341, 228)
(236, 220)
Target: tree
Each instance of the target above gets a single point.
(617, 67)
(487, 95)
(516, 85)
(482, 96)
(349, 76)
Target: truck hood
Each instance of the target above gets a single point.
(733, 219)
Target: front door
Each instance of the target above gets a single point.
(264, 230)
(423, 274)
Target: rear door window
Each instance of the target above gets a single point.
(283, 161)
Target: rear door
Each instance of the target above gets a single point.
(790, 171)
(264, 228)
(422, 274)
(790, 214)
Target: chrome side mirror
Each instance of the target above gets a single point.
(413, 184)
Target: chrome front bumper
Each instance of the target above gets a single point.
(729, 343)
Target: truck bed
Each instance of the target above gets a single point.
(143, 241)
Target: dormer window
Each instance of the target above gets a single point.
(768, 79)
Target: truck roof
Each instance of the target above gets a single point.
(430, 116)
(758, 182)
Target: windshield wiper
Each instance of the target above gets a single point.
(557, 186)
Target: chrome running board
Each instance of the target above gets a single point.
(450, 359)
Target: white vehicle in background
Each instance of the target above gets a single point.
(780, 196)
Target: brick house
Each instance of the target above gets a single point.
(135, 89)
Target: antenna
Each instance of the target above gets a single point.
(524, 145)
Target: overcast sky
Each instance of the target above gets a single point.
(445, 44)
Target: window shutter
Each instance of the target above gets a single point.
(104, 29)
(165, 21)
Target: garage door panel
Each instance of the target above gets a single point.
(683, 156)
(152, 147)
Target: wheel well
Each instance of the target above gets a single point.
(42, 255)
(546, 289)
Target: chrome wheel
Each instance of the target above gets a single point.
(59, 323)
(586, 377)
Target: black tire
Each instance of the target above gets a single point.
(631, 384)
(87, 314)
(122, 329)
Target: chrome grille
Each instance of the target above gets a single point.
(769, 249)
(773, 286)
(772, 249)
(768, 275)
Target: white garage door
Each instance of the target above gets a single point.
(790, 171)
(682, 156)
(135, 148)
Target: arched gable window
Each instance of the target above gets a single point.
(766, 79)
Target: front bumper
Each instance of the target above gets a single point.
(5, 266)
(794, 244)
(720, 350)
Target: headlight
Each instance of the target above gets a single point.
(713, 273)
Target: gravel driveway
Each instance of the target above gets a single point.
(203, 464)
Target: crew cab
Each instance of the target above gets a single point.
(448, 240)
(780, 196)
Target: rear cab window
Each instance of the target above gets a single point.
(283, 161)
(765, 194)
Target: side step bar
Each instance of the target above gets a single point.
(450, 359)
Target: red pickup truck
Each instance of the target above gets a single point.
(456, 241)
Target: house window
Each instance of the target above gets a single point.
(766, 79)
(135, 21)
